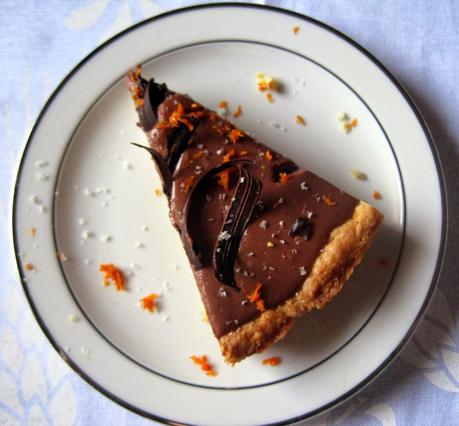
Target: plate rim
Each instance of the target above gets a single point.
(402, 91)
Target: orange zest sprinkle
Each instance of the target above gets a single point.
(300, 120)
(198, 154)
(255, 297)
(329, 202)
(270, 97)
(296, 30)
(158, 192)
(29, 266)
(33, 232)
(243, 152)
(188, 183)
(273, 361)
(284, 177)
(268, 155)
(229, 155)
(376, 195)
(177, 117)
(384, 263)
(112, 274)
(223, 179)
(354, 122)
(148, 303)
(235, 135)
(223, 104)
(137, 94)
(204, 363)
(238, 112)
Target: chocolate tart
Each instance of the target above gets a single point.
(267, 241)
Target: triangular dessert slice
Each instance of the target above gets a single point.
(267, 240)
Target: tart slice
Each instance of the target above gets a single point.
(267, 241)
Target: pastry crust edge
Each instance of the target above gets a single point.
(332, 268)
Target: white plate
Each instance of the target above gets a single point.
(141, 360)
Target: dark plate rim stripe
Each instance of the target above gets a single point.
(184, 382)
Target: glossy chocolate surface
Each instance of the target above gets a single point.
(269, 253)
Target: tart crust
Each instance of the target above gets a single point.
(332, 268)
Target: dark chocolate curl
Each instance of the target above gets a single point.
(166, 176)
(188, 243)
(177, 141)
(153, 95)
(243, 203)
(302, 226)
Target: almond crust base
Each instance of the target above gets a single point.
(332, 268)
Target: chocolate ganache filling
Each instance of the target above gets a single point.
(246, 214)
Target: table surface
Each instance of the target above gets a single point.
(40, 42)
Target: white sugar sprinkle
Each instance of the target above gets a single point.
(165, 318)
(73, 318)
(41, 177)
(139, 245)
(41, 163)
(127, 165)
(106, 238)
(145, 228)
(87, 261)
(303, 271)
(167, 285)
(82, 221)
(42, 209)
(34, 200)
(86, 234)
(225, 235)
(342, 116)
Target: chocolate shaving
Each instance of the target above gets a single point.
(177, 142)
(164, 171)
(190, 247)
(302, 226)
(153, 95)
(239, 213)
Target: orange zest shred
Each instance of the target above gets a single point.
(198, 154)
(29, 266)
(188, 183)
(353, 123)
(284, 177)
(148, 303)
(376, 195)
(235, 135)
(296, 30)
(204, 363)
(223, 179)
(300, 120)
(243, 152)
(255, 297)
(273, 361)
(137, 94)
(384, 263)
(33, 232)
(223, 104)
(266, 82)
(237, 112)
(176, 118)
(329, 202)
(229, 155)
(268, 155)
(158, 192)
(270, 97)
(112, 274)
